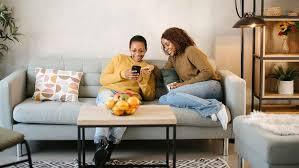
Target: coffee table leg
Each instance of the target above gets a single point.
(83, 145)
(168, 146)
(79, 147)
(174, 147)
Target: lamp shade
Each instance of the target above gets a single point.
(249, 21)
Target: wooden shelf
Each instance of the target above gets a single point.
(281, 109)
(279, 56)
(282, 56)
(280, 18)
(268, 55)
(272, 95)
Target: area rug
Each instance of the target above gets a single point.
(198, 163)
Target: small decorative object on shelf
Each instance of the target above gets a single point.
(292, 13)
(285, 46)
(273, 11)
(286, 79)
(284, 28)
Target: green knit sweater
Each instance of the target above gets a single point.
(192, 66)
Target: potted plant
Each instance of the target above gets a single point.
(8, 29)
(286, 79)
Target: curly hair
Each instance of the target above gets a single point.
(179, 38)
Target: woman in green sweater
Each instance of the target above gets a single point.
(199, 87)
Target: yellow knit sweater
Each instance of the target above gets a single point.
(111, 78)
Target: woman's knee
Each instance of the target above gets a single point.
(216, 90)
(163, 100)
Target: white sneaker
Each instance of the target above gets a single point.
(223, 117)
(214, 117)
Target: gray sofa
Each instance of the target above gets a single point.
(51, 120)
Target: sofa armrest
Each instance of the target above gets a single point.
(234, 93)
(12, 92)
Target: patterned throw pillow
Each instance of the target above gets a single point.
(57, 85)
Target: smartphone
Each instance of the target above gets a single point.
(136, 69)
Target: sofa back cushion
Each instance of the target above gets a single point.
(169, 76)
(91, 68)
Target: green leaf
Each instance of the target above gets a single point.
(8, 29)
(288, 75)
(17, 34)
(3, 47)
(14, 37)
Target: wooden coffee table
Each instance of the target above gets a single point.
(145, 116)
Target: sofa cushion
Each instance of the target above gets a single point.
(49, 112)
(189, 117)
(52, 112)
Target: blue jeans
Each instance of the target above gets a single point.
(113, 134)
(202, 97)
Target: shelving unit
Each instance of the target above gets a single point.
(266, 55)
(280, 18)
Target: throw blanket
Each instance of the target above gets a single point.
(280, 124)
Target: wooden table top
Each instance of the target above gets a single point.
(145, 115)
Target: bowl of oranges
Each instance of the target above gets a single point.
(123, 104)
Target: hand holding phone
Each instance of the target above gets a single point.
(136, 69)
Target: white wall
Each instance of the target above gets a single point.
(98, 28)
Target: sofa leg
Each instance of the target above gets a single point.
(225, 146)
(19, 151)
(240, 162)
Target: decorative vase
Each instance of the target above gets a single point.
(285, 47)
(286, 87)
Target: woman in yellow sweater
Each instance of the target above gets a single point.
(118, 77)
(199, 87)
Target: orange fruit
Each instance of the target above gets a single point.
(133, 101)
(122, 105)
(110, 104)
(131, 110)
(117, 111)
